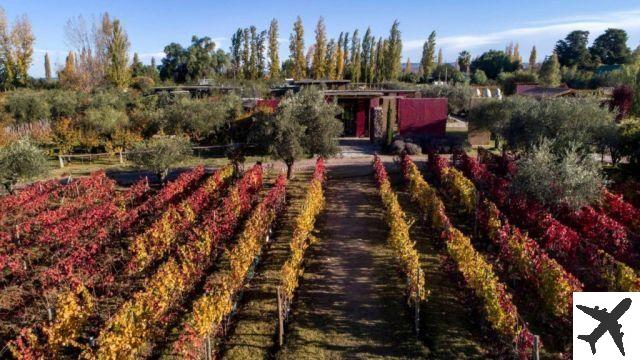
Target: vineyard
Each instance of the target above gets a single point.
(441, 253)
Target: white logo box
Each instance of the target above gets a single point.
(583, 324)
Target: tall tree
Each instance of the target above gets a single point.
(345, 53)
(118, 72)
(611, 47)
(439, 56)
(572, 51)
(91, 46)
(318, 61)
(493, 62)
(428, 51)
(274, 57)
(253, 52)
(47, 67)
(367, 56)
(246, 53)
(393, 55)
(464, 61)
(509, 50)
(296, 46)
(533, 57)
(67, 76)
(330, 59)
(16, 51)
(550, 71)
(380, 60)
(236, 51)
(262, 37)
(355, 61)
(137, 68)
(340, 57)
(407, 66)
(23, 49)
(516, 53)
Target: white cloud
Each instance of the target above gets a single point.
(559, 28)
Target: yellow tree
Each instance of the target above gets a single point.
(296, 47)
(274, 58)
(118, 71)
(318, 65)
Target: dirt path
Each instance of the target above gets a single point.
(351, 304)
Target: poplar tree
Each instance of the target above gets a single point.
(236, 52)
(533, 58)
(67, 76)
(407, 67)
(355, 64)
(516, 53)
(550, 71)
(246, 53)
(340, 57)
(345, 53)
(367, 56)
(330, 59)
(253, 55)
(439, 56)
(274, 58)
(393, 53)
(118, 72)
(428, 50)
(296, 47)
(380, 60)
(137, 68)
(318, 61)
(47, 67)
(262, 37)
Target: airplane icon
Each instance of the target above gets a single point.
(608, 322)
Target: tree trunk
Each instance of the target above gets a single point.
(289, 169)
(9, 187)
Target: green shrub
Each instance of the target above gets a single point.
(20, 161)
(160, 154)
(27, 106)
(458, 96)
(105, 120)
(568, 177)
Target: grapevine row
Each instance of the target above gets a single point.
(302, 238)
(217, 303)
(478, 274)
(560, 241)
(129, 331)
(157, 239)
(398, 237)
(553, 284)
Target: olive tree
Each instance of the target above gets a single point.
(568, 178)
(304, 125)
(20, 161)
(160, 154)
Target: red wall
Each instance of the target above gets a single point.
(361, 117)
(422, 116)
(268, 103)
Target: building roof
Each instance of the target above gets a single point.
(320, 82)
(540, 92)
(353, 93)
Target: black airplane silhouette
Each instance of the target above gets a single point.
(608, 322)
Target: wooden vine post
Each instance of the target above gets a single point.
(280, 318)
(536, 347)
(416, 304)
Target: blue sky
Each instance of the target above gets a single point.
(462, 24)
